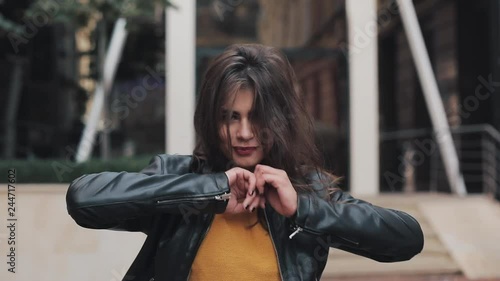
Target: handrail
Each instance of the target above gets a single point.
(414, 133)
(404, 134)
(486, 148)
(477, 128)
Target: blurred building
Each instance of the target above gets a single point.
(40, 100)
(136, 104)
(312, 34)
(59, 78)
(462, 38)
(220, 23)
(55, 75)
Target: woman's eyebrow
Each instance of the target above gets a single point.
(224, 111)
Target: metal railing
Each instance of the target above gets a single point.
(410, 160)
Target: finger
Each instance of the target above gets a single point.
(231, 205)
(250, 181)
(230, 174)
(272, 180)
(250, 188)
(270, 176)
(259, 180)
(248, 200)
(241, 181)
(259, 184)
(269, 170)
(254, 203)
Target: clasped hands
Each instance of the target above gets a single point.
(266, 185)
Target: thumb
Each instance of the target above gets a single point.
(231, 176)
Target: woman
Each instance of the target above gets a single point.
(252, 203)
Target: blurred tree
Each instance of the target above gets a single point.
(20, 28)
(80, 12)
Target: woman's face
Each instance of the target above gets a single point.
(246, 150)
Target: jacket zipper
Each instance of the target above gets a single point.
(220, 197)
(347, 240)
(298, 229)
(203, 238)
(274, 246)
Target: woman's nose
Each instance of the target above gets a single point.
(245, 130)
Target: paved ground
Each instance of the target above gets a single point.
(461, 239)
(446, 277)
(468, 226)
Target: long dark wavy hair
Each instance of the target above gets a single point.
(284, 125)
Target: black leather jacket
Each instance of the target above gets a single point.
(175, 207)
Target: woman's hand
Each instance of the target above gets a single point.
(279, 191)
(243, 191)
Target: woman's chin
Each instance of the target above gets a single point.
(249, 165)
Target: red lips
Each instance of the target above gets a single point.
(244, 150)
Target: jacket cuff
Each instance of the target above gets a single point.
(222, 184)
(303, 207)
(221, 181)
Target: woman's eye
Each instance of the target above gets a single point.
(234, 116)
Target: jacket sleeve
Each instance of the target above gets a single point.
(356, 226)
(120, 201)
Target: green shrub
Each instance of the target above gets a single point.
(64, 171)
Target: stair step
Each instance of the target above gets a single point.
(359, 266)
(432, 246)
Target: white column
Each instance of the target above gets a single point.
(111, 61)
(432, 97)
(180, 73)
(363, 97)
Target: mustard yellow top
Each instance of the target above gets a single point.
(235, 250)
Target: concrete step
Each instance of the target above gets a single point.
(359, 266)
(434, 259)
(432, 246)
(469, 227)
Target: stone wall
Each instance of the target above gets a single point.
(50, 246)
